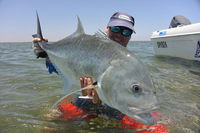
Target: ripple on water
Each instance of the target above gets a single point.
(27, 91)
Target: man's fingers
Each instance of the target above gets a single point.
(46, 39)
(95, 99)
(39, 39)
(85, 81)
(82, 82)
(89, 81)
(84, 92)
(89, 92)
(36, 39)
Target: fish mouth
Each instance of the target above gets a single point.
(143, 115)
(146, 119)
(142, 110)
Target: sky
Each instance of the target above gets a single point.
(58, 17)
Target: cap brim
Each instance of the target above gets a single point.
(118, 22)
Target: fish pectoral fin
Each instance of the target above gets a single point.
(70, 92)
(94, 85)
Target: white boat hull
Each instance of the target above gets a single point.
(183, 42)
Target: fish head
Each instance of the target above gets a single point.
(129, 89)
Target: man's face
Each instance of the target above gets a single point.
(118, 37)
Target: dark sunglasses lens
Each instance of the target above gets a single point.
(127, 32)
(115, 29)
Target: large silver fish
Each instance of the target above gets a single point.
(122, 80)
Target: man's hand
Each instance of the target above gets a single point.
(39, 52)
(36, 40)
(85, 81)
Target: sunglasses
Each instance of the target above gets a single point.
(124, 31)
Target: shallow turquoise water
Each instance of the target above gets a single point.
(27, 91)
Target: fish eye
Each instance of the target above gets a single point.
(136, 89)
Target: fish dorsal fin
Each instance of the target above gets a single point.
(79, 29)
(101, 34)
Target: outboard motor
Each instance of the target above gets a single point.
(179, 21)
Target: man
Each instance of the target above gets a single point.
(119, 29)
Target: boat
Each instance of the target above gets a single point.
(181, 39)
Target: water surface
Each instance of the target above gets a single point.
(27, 91)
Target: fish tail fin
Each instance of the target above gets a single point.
(39, 31)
